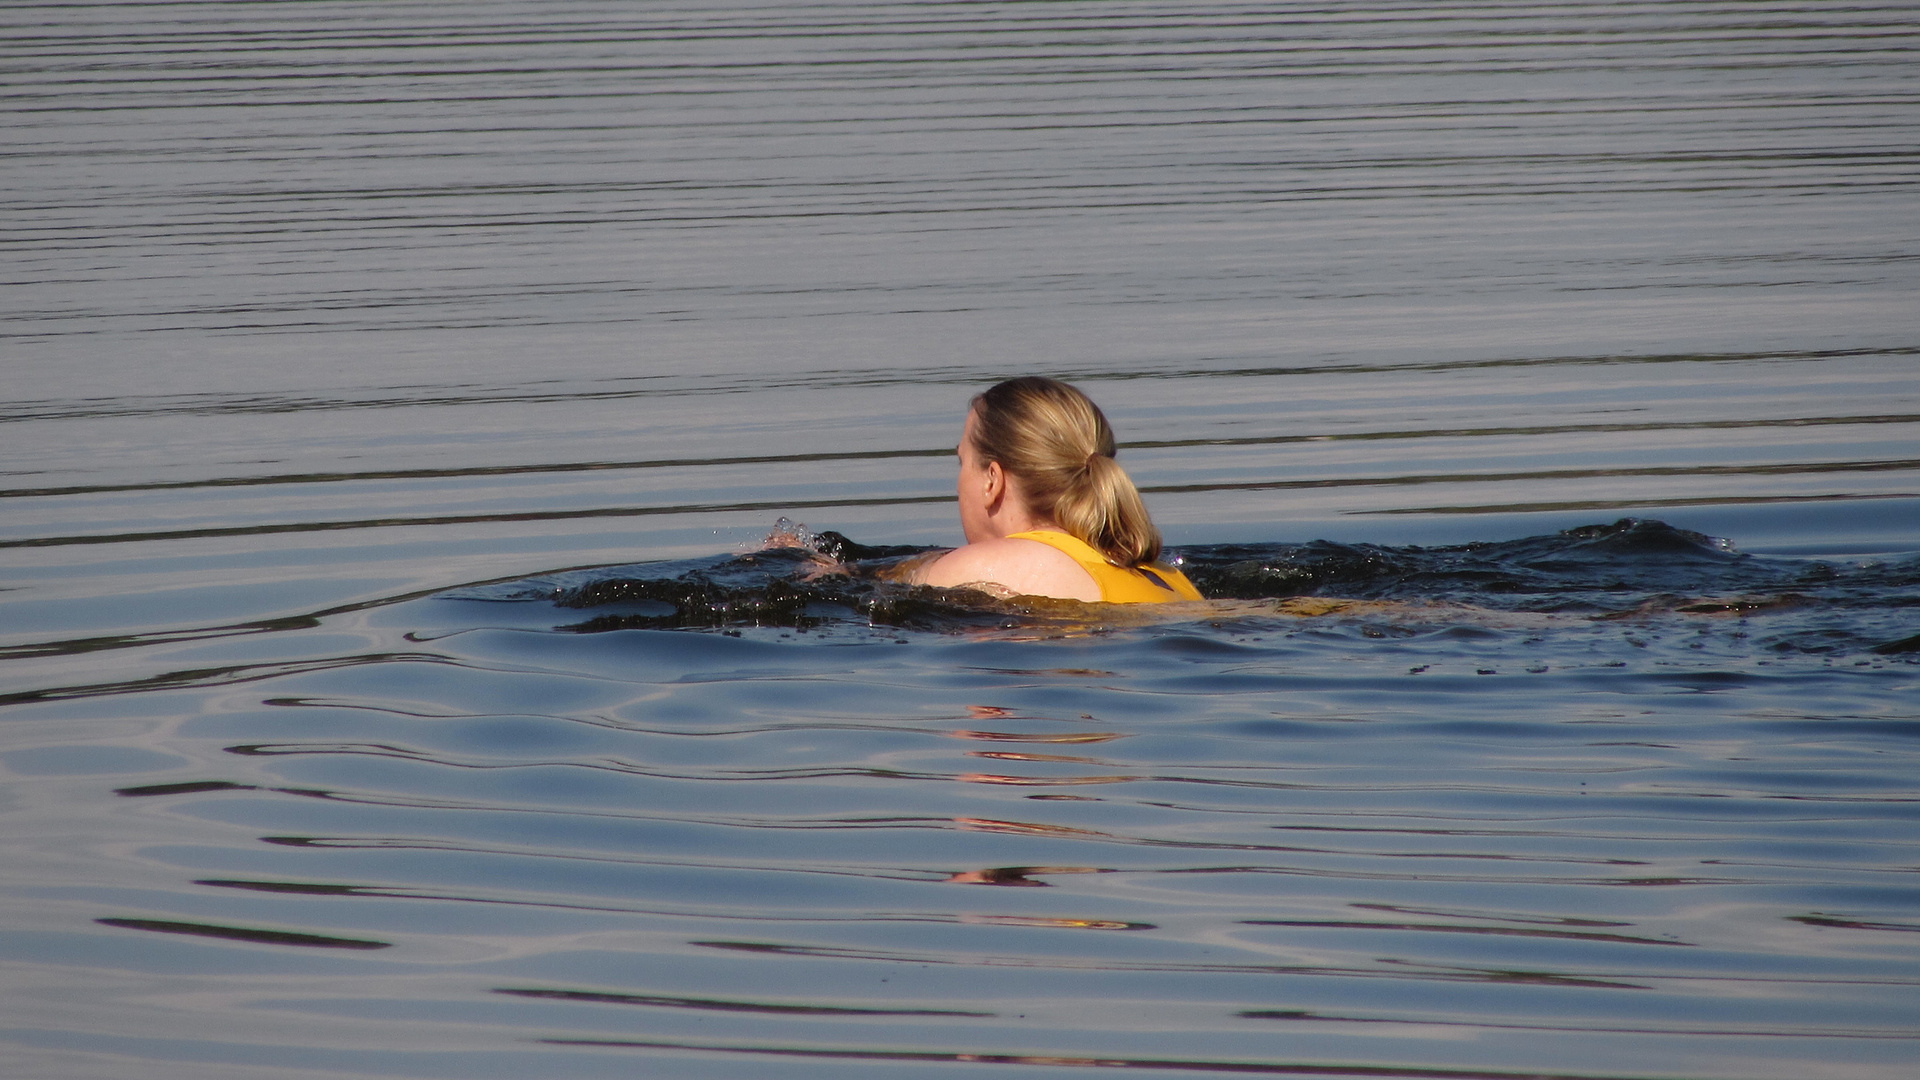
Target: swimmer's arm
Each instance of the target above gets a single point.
(819, 565)
(907, 570)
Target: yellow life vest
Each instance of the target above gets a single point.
(1149, 584)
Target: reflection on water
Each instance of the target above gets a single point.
(1606, 803)
(398, 395)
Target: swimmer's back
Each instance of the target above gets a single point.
(1149, 584)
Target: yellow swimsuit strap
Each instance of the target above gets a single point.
(1149, 584)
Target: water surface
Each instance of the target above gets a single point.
(398, 396)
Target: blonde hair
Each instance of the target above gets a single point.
(1057, 443)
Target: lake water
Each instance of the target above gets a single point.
(398, 396)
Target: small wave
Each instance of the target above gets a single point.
(1631, 568)
(1590, 568)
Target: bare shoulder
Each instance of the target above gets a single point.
(1026, 567)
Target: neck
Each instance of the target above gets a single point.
(1014, 517)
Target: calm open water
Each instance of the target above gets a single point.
(397, 396)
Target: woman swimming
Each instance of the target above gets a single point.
(1046, 509)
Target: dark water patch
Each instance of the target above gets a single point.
(1626, 560)
(297, 888)
(247, 934)
(1395, 969)
(1546, 476)
(1856, 924)
(601, 998)
(479, 471)
(1176, 1065)
(1898, 648)
(1539, 505)
(1448, 928)
(1574, 1026)
(446, 519)
(216, 676)
(1646, 579)
(186, 787)
(380, 892)
(824, 458)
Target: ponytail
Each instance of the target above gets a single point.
(1058, 444)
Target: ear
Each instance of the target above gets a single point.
(996, 481)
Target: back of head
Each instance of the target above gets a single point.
(1057, 443)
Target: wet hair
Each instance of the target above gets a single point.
(1058, 444)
